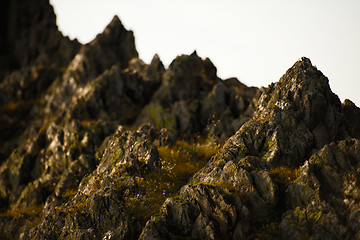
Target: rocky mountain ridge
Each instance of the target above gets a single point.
(97, 144)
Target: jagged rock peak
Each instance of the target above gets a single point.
(116, 43)
(188, 77)
(115, 46)
(302, 65)
(114, 21)
(191, 99)
(156, 60)
(303, 89)
(115, 32)
(191, 68)
(194, 53)
(114, 27)
(294, 117)
(305, 61)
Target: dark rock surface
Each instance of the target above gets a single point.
(97, 144)
(33, 53)
(30, 36)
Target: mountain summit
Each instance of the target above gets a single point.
(97, 144)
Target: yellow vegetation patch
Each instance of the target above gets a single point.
(267, 231)
(69, 193)
(179, 163)
(185, 158)
(283, 174)
(13, 107)
(88, 122)
(29, 211)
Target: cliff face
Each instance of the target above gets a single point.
(96, 144)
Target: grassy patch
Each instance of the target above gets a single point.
(184, 159)
(15, 106)
(87, 123)
(115, 155)
(284, 175)
(132, 128)
(179, 163)
(268, 231)
(29, 211)
(69, 193)
(30, 215)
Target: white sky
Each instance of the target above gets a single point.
(253, 40)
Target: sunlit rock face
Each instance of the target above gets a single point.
(97, 144)
(283, 165)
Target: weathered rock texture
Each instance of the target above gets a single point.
(295, 120)
(97, 144)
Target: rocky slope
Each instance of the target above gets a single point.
(97, 144)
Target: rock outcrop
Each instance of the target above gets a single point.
(324, 200)
(262, 168)
(97, 144)
(192, 99)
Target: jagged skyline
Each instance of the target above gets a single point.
(253, 41)
(97, 144)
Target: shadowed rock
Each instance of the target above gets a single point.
(33, 53)
(192, 99)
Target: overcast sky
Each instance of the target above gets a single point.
(253, 40)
